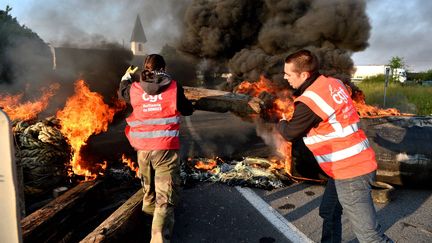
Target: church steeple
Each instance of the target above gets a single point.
(138, 38)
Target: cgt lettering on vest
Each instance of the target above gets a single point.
(151, 98)
(154, 106)
(338, 95)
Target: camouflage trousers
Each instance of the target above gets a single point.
(160, 177)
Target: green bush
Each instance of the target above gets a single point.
(374, 79)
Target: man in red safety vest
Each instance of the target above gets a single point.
(326, 118)
(153, 130)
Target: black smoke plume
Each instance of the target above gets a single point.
(255, 36)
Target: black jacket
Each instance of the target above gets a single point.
(157, 86)
(303, 118)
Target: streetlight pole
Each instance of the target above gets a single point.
(387, 72)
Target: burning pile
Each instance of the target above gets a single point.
(280, 103)
(50, 150)
(277, 102)
(251, 172)
(42, 151)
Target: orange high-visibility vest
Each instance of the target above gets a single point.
(340, 147)
(154, 123)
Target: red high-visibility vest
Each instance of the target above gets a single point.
(154, 123)
(340, 147)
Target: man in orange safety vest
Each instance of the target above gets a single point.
(326, 118)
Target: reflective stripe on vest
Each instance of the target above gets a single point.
(158, 121)
(339, 132)
(346, 131)
(343, 154)
(155, 134)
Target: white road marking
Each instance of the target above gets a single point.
(279, 222)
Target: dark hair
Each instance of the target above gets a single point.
(153, 62)
(304, 61)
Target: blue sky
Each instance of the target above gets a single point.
(399, 27)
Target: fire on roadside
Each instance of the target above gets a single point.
(368, 111)
(17, 109)
(84, 114)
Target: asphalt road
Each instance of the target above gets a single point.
(220, 213)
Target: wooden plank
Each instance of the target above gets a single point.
(112, 229)
(44, 223)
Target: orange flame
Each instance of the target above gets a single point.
(283, 102)
(208, 164)
(18, 110)
(205, 165)
(283, 105)
(132, 165)
(84, 114)
(255, 89)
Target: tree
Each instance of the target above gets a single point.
(395, 63)
(20, 47)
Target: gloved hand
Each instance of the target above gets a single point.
(131, 70)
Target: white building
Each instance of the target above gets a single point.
(138, 39)
(366, 71)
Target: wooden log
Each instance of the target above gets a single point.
(46, 223)
(118, 223)
(222, 101)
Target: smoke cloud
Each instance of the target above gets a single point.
(255, 36)
(83, 23)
